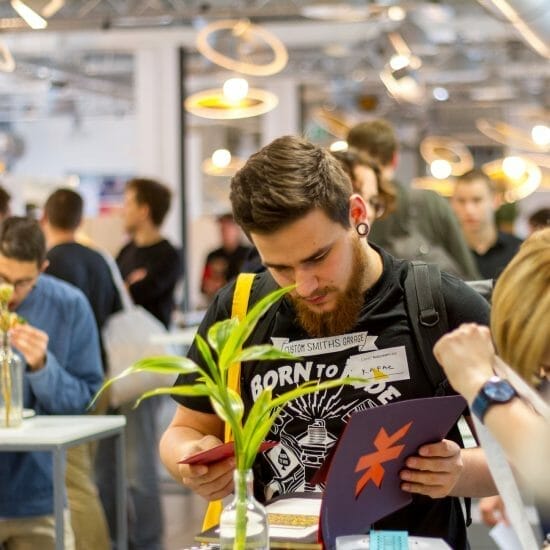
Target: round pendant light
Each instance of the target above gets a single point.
(214, 104)
(441, 148)
(242, 37)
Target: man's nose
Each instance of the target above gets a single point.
(306, 282)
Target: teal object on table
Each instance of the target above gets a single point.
(389, 540)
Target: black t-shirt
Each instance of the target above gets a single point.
(155, 292)
(491, 264)
(88, 270)
(383, 330)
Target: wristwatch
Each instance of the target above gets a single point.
(494, 392)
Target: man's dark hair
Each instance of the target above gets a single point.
(22, 239)
(5, 198)
(154, 194)
(286, 180)
(376, 137)
(64, 209)
(540, 218)
(477, 174)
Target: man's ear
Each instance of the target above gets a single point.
(44, 266)
(357, 209)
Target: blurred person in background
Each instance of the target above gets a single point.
(60, 347)
(422, 225)
(539, 220)
(86, 269)
(151, 267)
(224, 263)
(475, 202)
(366, 179)
(520, 318)
(5, 207)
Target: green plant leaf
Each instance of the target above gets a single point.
(231, 409)
(196, 390)
(262, 353)
(257, 411)
(206, 354)
(246, 326)
(219, 332)
(253, 443)
(163, 364)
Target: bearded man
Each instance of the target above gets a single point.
(296, 205)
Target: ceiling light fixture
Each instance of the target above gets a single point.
(540, 133)
(511, 136)
(52, 7)
(339, 145)
(214, 104)
(403, 84)
(245, 37)
(33, 20)
(7, 63)
(222, 163)
(441, 169)
(454, 153)
(235, 89)
(514, 177)
(399, 74)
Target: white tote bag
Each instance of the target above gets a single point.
(127, 337)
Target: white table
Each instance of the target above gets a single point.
(57, 433)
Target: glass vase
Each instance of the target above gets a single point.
(243, 523)
(11, 385)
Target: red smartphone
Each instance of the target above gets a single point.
(221, 452)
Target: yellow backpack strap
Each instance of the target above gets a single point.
(239, 309)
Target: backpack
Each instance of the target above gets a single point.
(425, 304)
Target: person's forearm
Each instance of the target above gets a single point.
(525, 438)
(174, 445)
(475, 480)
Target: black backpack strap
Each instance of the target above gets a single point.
(428, 317)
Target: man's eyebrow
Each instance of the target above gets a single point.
(310, 258)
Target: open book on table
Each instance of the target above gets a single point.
(293, 522)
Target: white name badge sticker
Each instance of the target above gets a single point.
(388, 365)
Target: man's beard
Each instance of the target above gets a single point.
(348, 306)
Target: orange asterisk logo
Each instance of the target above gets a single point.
(385, 452)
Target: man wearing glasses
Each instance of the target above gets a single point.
(422, 225)
(59, 345)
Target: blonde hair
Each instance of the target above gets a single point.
(520, 314)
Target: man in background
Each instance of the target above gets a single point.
(60, 347)
(422, 225)
(224, 263)
(150, 265)
(88, 270)
(5, 209)
(539, 220)
(475, 202)
(151, 268)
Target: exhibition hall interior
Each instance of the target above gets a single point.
(94, 93)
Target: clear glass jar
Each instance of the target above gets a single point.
(243, 523)
(11, 387)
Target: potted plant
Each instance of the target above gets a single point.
(224, 347)
(11, 366)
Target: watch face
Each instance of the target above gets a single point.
(499, 391)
